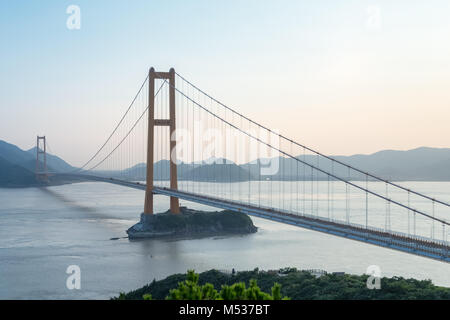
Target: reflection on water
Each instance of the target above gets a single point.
(45, 231)
(65, 199)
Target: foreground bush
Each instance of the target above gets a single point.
(295, 284)
(191, 290)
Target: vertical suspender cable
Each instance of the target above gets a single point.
(367, 201)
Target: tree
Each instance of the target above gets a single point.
(191, 290)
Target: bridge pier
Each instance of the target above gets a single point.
(41, 173)
(152, 122)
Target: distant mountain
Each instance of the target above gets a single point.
(54, 162)
(220, 173)
(161, 171)
(17, 166)
(17, 156)
(432, 164)
(428, 164)
(227, 171)
(417, 164)
(13, 175)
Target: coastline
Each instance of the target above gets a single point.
(191, 224)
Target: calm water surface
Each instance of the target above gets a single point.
(42, 232)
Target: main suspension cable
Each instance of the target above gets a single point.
(115, 129)
(317, 152)
(134, 125)
(308, 164)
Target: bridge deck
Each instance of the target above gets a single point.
(394, 240)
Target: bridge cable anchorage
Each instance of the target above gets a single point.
(310, 165)
(115, 129)
(128, 133)
(314, 151)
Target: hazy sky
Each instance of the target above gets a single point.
(343, 76)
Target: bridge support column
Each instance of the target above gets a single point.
(152, 122)
(174, 202)
(41, 174)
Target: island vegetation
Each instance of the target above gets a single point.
(286, 283)
(191, 224)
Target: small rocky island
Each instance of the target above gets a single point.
(191, 224)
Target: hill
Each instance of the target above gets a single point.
(198, 172)
(17, 166)
(425, 164)
(54, 162)
(417, 164)
(12, 175)
(421, 164)
(17, 156)
(305, 285)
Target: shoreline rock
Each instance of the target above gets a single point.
(191, 224)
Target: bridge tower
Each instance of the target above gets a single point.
(152, 122)
(41, 170)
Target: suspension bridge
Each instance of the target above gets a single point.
(178, 141)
